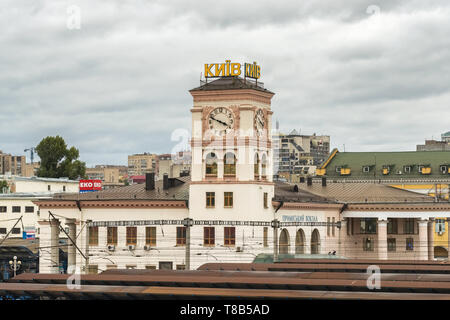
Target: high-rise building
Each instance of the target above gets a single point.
(299, 155)
(11, 165)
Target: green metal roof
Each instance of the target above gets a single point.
(396, 161)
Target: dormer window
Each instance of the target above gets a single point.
(443, 169)
(338, 169)
(366, 169)
(407, 169)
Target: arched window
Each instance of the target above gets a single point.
(315, 242)
(284, 242)
(300, 242)
(211, 164)
(229, 167)
(263, 166)
(256, 166)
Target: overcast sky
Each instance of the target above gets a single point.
(374, 75)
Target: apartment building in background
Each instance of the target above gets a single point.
(435, 145)
(11, 165)
(174, 165)
(299, 155)
(140, 164)
(111, 176)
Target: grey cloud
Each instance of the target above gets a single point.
(119, 85)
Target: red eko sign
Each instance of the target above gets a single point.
(90, 185)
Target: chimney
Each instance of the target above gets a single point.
(150, 181)
(324, 182)
(309, 181)
(165, 181)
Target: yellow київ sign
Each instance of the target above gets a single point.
(228, 69)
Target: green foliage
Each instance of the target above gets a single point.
(59, 161)
(3, 184)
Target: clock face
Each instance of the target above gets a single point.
(259, 121)
(221, 120)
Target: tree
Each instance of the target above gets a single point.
(3, 185)
(59, 161)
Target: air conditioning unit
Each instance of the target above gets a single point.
(147, 248)
(111, 247)
(131, 247)
(239, 249)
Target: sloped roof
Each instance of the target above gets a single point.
(363, 193)
(395, 160)
(230, 83)
(180, 191)
(286, 192)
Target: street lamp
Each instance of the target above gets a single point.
(15, 265)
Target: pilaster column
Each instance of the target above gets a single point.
(48, 246)
(71, 249)
(430, 243)
(423, 239)
(382, 240)
(343, 237)
(220, 168)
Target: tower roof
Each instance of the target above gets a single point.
(231, 83)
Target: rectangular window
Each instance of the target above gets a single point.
(2, 208)
(229, 236)
(93, 236)
(328, 226)
(439, 225)
(391, 243)
(368, 244)
(131, 236)
(150, 236)
(208, 236)
(333, 227)
(92, 269)
(408, 226)
(409, 244)
(165, 265)
(181, 236)
(368, 226)
(29, 209)
(265, 200)
(150, 267)
(265, 237)
(112, 236)
(392, 226)
(228, 200)
(49, 188)
(210, 199)
(111, 266)
(181, 267)
(2, 230)
(16, 209)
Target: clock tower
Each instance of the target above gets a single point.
(231, 174)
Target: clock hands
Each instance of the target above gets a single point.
(224, 123)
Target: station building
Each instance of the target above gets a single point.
(229, 209)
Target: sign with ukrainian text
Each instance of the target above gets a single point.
(232, 69)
